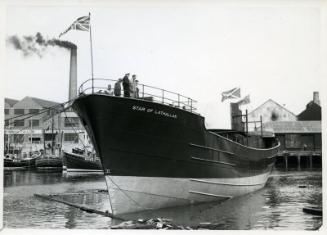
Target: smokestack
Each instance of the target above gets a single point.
(316, 97)
(73, 73)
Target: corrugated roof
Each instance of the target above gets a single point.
(44, 103)
(11, 102)
(265, 133)
(294, 126)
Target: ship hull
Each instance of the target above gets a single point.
(131, 194)
(13, 164)
(76, 163)
(51, 163)
(146, 143)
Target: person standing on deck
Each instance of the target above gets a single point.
(133, 86)
(137, 90)
(110, 91)
(117, 87)
(126, 85)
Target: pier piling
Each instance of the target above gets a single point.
(308, 159)
(286, 161)
(299, 162)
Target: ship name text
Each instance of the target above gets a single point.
(154, 111)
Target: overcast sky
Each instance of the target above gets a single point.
(197, 49)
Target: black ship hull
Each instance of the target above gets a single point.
(154, 155)
(49, 163)
(77, 163)
(30, 162)
(10, 164)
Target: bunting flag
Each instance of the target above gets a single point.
(244, 101)
(82, 23)
(231, 94)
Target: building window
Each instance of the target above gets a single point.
(19, 111)
(6, 123)
(308, 141)
(293, 141)
(19, 123)
(71, 137)
(35, 140)
(35, 123)
(6, 111)
(49, 136)
(18, 138)
(33, 110)
(71, 122)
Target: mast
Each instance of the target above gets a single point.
(91, 48)
(44, 142)
(9, 137)
(31, 136)
(52, 119)
(60, 133)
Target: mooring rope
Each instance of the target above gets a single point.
(125, 194)
(74, 130)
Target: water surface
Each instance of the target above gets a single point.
(278, 206)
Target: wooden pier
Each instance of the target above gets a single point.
(299, 159)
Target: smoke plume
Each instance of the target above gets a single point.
(37, 44)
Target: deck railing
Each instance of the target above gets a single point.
(149, 93)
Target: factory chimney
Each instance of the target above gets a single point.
(73, 73)
(316, 97)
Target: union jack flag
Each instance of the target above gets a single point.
(231, 94)
(82, 23)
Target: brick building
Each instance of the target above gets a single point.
(38, 127)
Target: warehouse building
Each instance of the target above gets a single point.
(41, 125)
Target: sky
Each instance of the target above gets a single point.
(198, 49)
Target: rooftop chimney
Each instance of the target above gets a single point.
(316, 97)
(73, 74)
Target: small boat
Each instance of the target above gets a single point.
(30, 162)
(74, 162)
(49, 162)
(11, 163)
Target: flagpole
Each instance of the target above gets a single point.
(91, 47)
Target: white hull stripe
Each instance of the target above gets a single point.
(211, 195)
(149, 194)
(82, 170)
(222, 183)
(212, 161)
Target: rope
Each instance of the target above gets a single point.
(109, 197)
(125, 194)
(74, 130)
